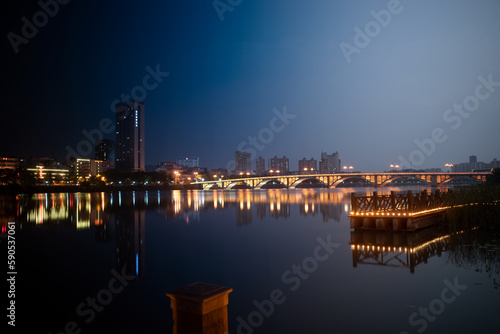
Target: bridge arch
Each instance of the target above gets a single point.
(394, 178)
(237, 183)
(270, 182)
(303, 179)
(350, 177)
(471, 178)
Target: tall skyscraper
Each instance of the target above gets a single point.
(105, 150)
(243, 162)
(130, 136)
(260, 166)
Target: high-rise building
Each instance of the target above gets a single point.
(472, 159)
(281, 164)
(308, 166)
(243, 162)
(130, 136)
(260, 166)
(330, 163)
(105, 150)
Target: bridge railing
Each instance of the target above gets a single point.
(396, 203)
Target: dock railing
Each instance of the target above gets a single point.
(406, 204)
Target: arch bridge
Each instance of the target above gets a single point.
(378, 180)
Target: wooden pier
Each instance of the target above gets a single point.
(396, 212)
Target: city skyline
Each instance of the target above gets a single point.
(403, 92)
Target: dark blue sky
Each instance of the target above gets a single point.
(226, 77)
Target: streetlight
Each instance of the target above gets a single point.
(312, 169)
(351, 168)
(394, 166)
(449, 165)
(305, 170)
(277, 171)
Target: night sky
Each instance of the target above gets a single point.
(225, 78)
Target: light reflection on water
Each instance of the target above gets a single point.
(247, 240)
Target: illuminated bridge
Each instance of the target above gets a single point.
(333, 180)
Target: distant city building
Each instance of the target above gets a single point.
(189, 162)
(473, 164)
(169, 167)
(308, 166)
(130, 154)
(243, 162)
(83, 168)
(495, 164)
(260, 166)
(324, 167)
(9, 163)
(105, 150)
(48, 170)
(281, 164)
(218, 173)
(330, 163)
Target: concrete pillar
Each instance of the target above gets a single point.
(200, 308)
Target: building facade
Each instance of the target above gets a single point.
(105, 150)
(308, 166)
(130, 153)
(189, 162)
(243, 162)
(473, 164)
(9, 163)
(330, 163)
(260, 166)
(280, 164)
(83, 168)
(48, 170)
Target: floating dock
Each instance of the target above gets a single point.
(396, 212)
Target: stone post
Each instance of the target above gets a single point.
(200, 308)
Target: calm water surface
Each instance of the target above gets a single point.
(332, 280)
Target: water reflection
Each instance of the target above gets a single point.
(477, 250)
(83, 210)
(398, 249)
(251, 261)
